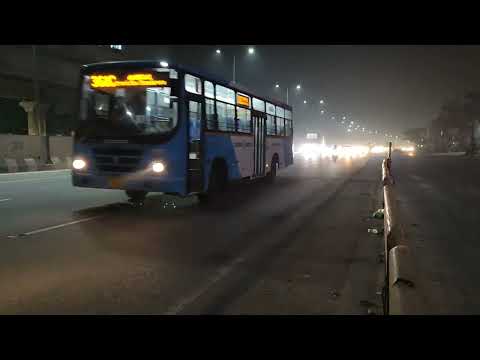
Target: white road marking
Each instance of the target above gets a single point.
(34, 172)
(224, 271)
(56, 226)
(421, 182)
(416, 178)
(4, 200)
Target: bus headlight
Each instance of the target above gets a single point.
(158, 166)
(79, 164)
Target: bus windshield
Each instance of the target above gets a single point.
(126, 112)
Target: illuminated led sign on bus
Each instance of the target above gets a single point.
(111, 81)
(243, 100)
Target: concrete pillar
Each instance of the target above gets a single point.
(37, 117)
(29, 107)
(37, 125)
(41, 113)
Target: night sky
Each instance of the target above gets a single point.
(388, 88)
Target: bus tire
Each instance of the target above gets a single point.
(136, 196)
(217, 184)
(272, 174)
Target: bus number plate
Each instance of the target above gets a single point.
(115, 182)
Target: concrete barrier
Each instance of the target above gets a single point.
(12, 165)
(31, 164)
(57, 163)
(21, 153)
(401, 293)
(29, 146)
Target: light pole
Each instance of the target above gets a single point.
(250, 51)
(298, 87)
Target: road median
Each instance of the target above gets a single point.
(402, 292)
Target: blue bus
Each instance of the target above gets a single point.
(147, 126)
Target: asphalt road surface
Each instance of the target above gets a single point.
(439, 200)
(299, 246)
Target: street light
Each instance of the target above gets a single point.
(321, 101)
(304, 101)
(322, 111)
(251, 51)
(298, 87)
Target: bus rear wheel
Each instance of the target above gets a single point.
(136, 196)
(273, 171)
(217, 185)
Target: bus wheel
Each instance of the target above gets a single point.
(273, 171)
(136, 196)
(217, 184)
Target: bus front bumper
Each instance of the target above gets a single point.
(150, 183)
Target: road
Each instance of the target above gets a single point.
(299, 246)
(439, 199)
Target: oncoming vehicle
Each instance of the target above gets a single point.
(146, 126)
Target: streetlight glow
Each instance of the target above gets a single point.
(218, 51)
(298, 87)
(304, 101)
(321, 101)
(321, 112)
(251, 50)
(277, 86)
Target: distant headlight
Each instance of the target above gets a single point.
(158, 166)
(79, 164)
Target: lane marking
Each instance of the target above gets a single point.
(34, 179)
(4, 200)
(184, 302)
(56, 226)
(34, 172)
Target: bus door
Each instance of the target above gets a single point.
(194, 106)
(259, 132)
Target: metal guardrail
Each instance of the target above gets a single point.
(402, 295)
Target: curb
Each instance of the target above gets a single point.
(8, 165)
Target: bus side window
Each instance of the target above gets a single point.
(243, 116)
(280, 126)
(270, 125)
(194, 116)
(210, 114)
(226, 116)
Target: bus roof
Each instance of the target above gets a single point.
(110, 65)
